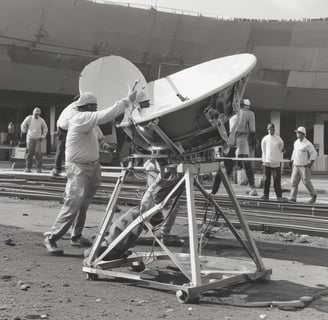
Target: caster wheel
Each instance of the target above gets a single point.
(92, 276)
(182, 296)
(186, 297)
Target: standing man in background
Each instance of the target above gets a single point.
(245, 138)
(62, 126)
(11, 133)
(36, 130)
(272, 146)
(82, 168)
(303, 157)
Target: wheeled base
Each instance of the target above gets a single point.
(191, 274)
(166, 277)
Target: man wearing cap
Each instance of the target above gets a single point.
(82, 168)
(303, 157)
(272, 146)
(36, 130)
(242, 129)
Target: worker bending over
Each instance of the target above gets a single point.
(82, 168)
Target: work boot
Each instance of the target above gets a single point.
(313, 199)
(264, 197)
(292, 200)
(80, 242)
(52, 248)
(38, 170)
(28, 170)
(253, 192)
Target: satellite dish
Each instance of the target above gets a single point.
(110, 79)
(190, 107)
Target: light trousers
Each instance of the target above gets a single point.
(33, 148)
(82, 183)
(301, 173)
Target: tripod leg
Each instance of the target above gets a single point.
(192, 224)
(255, 253)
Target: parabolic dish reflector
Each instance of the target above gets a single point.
(189, 86)
(190, 107)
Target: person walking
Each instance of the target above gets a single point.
(303, 157)
(36, 130)
(82, 168)
(272, 147)
(62, 126)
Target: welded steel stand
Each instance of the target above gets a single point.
(190, 266)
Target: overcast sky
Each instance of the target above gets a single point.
(260, 9)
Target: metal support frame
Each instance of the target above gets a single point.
(197, 279)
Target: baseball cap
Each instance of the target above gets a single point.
(37, 111)
(301, 130)
(86, 98)
(245, 102)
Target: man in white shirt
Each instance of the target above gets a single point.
(272, 146)
(82, 168)
(62, 126)
(36, 130)
(303, 157)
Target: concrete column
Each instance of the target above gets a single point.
(52, 125)
(318, 137)
(275, 119)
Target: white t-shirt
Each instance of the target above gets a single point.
(272, 146)
(34, 128)
(82, 136)
(303, 152)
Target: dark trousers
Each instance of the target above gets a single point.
(228, 164)
(60, 150)
(276, 174)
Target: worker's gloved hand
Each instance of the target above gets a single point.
(110, 147)
(253, 139)
(132, 96)
(291, 164)
(130, 99)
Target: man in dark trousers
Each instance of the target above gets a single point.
(272, 146)
(62, 126)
